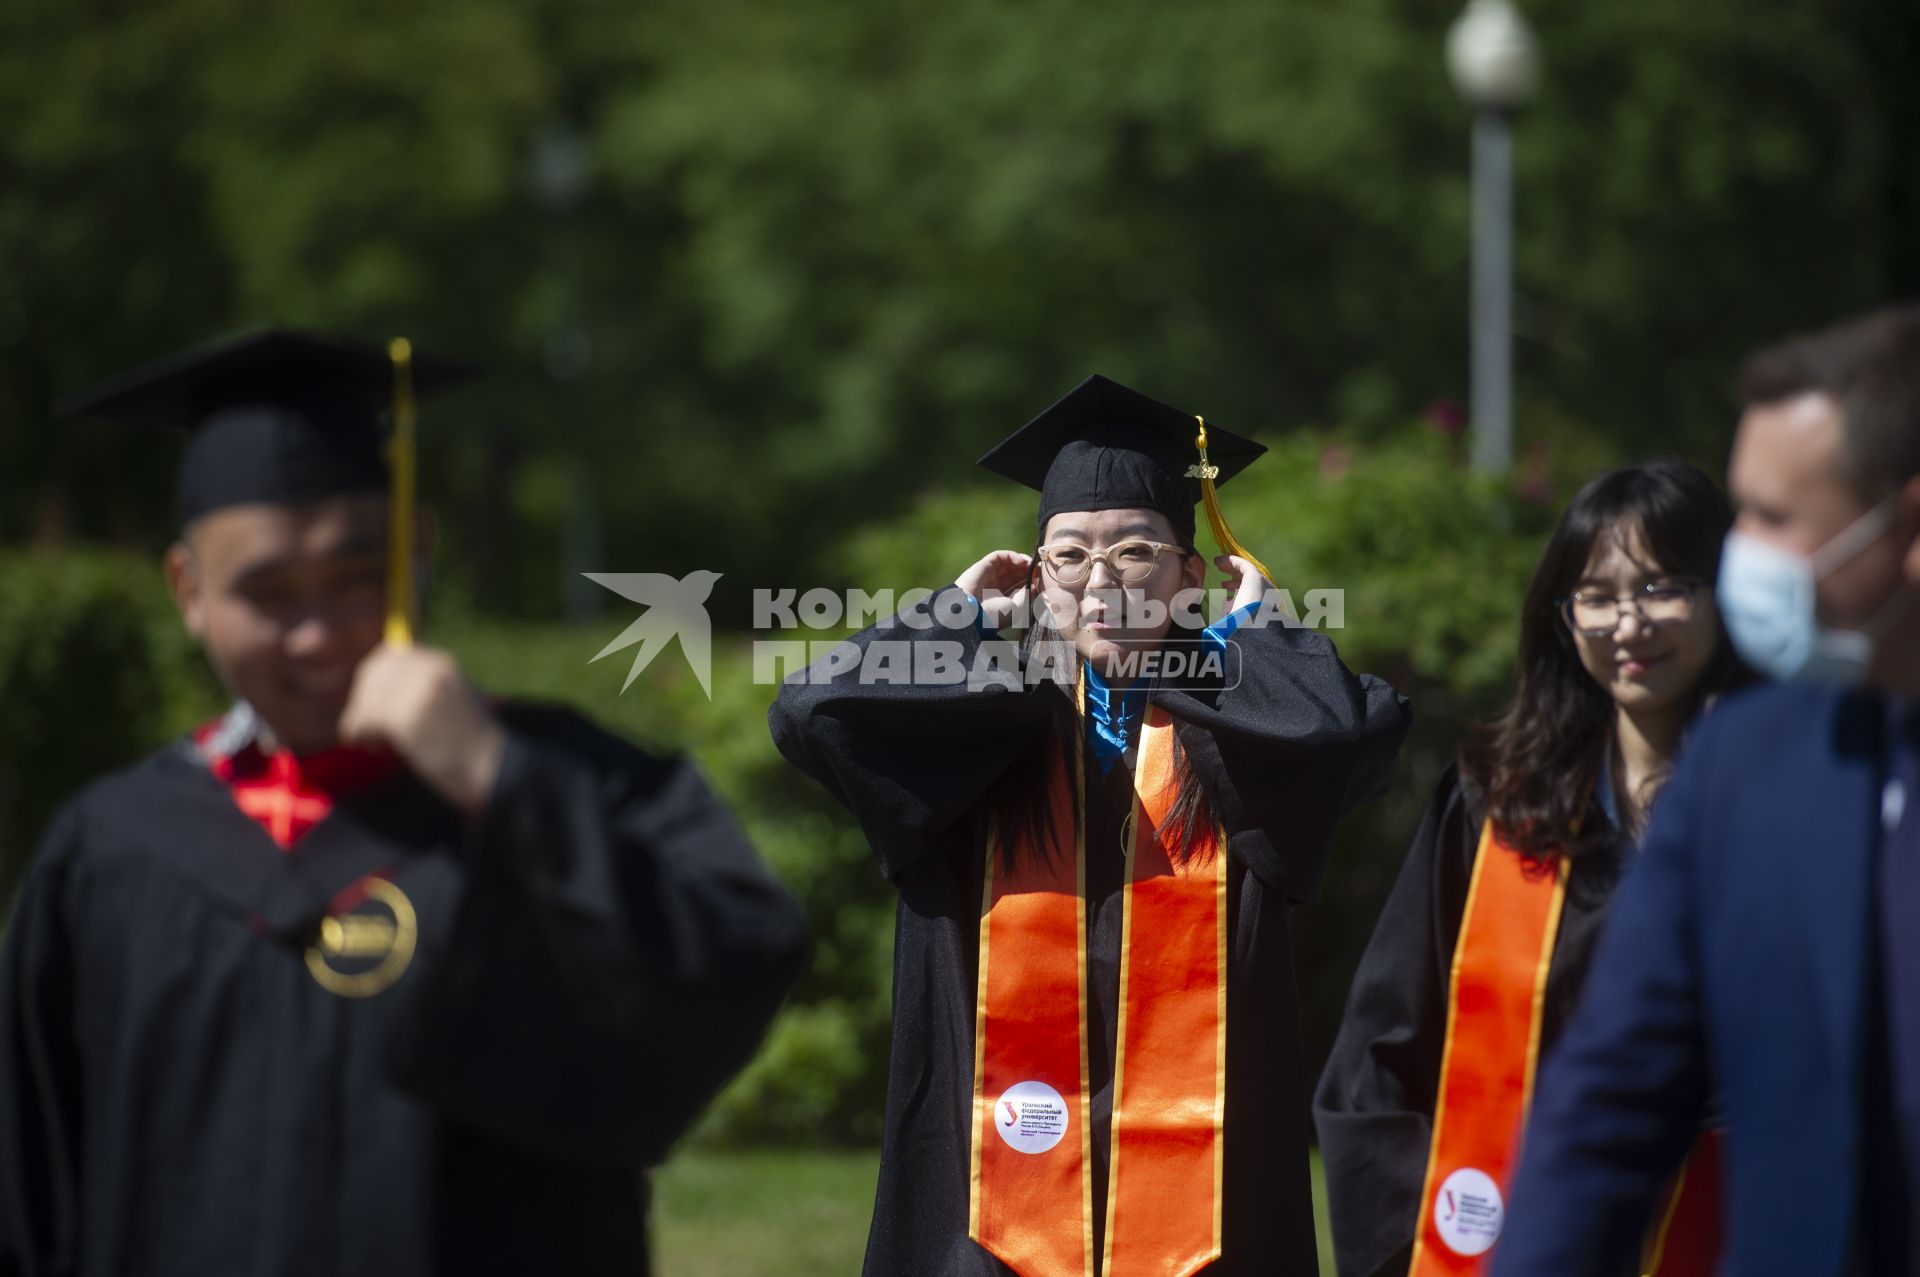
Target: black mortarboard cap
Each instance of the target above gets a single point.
(1103, 446)
(271, 416)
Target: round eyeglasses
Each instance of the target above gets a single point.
(1130, 561)
(1655, 603)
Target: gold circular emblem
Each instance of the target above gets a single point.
(363, 951)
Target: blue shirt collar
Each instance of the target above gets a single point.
(1113, 717)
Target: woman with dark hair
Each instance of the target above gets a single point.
(1481, 950)
(1096, 1060)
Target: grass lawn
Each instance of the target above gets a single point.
(764, 1213)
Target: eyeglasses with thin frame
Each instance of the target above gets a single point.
(1131, 562)
(1664, 602)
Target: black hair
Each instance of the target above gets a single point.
(1536, 765)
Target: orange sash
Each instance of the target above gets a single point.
(1494, 997)
(1031, 1195)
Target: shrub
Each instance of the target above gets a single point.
(94, 671)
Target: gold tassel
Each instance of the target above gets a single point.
(400, 455)
(1222, 534)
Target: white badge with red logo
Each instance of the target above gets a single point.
(1468, 1211)
(1030, 1116)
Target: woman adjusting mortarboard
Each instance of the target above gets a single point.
(1096, 1063)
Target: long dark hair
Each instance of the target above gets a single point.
(1018, 811)
(1536, 765)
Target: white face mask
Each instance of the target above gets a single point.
(1766, 597)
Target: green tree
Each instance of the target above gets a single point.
(824, 252)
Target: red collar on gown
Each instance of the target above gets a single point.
(287, 794)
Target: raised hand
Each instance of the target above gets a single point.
(1000, 581)
(1243, 579)
(416, 701)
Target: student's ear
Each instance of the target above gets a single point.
(183, 580)
(1194, 571)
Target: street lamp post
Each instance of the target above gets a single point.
(1495, 64)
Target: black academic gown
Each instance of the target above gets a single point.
(1282, 756)
(1374, 1106)
(179, 1095)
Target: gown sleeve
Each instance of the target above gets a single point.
(909, 756)
(1374, 1106)
(40, 1070)
(1289, 750)
(616, 956)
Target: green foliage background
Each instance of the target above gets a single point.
(789, 259)
(755, 283)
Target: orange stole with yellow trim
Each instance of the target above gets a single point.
(1031, 1195)
(1494, 997)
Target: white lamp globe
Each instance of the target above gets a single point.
(1492, 56)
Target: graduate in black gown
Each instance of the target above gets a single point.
(1620, 647)
(372, 974)
(1277, 751)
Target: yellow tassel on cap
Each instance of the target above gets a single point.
(1205, 472)
(400, 455)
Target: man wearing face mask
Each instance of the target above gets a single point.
(1765, 949)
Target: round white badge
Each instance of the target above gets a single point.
(1030, 1116)
(1468, 1210)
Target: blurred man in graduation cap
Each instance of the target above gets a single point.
(371, 974)
(1096, 1061)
